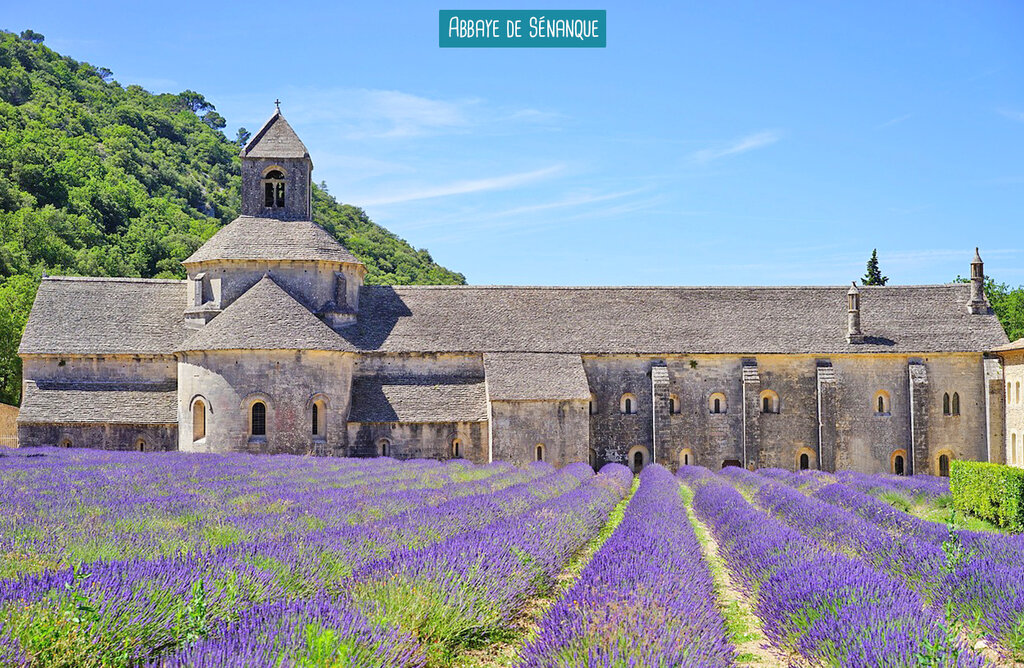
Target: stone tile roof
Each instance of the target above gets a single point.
(275, 139)
(266, 317)
(535, 377)
(739, 320)
(1008, 347)
(105, 316)
(123, 403)
(252, 238)
(418, 399)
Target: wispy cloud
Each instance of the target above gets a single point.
(366, 113)
(741, 145)
(1012, 114)
(894, 121)
(464, 187)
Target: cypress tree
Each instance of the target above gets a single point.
(874, 275)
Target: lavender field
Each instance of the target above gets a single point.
(171, 559)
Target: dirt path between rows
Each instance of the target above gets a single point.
(752, 646)
(524, 628)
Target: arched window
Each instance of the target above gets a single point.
(258, 419)
(716, 403)
(806, 458)
(273, 189)
(898, 462)
(456, 448)
(318, 419)
(882, 406)
(592, 407)
(198, 420)
(383, 447)
(956, 403)
(65, 443)
(944, 466)
(627, 405)
(140, 445)
(946, 410)
(686, 457)
(769, 402)
(540, 452)
(638, 458)
(673, 404)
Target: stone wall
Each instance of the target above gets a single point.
(100, 368)
(146, 437)
(466, 365)
(287, 381)
(297, 173)
(8, 426)
(430, 440)
(1013, 373)
(827, 409)
(559, 427)
(312, 284)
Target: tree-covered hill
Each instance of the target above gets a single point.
(101, 180)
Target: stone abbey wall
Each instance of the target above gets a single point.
(1013, 382)
(286, 381)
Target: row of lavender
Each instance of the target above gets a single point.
(138, 608)
(647, 597)
(62, 507)
(817, 597)
(451, 594)
(974, 578)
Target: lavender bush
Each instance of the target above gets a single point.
(828, 607)
(646, 598)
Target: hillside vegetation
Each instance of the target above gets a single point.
(97, 179)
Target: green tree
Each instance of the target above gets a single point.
(242, 138)
(874, 275)
(214, 120)
(194, 102)
(32, 36)
(101, 180)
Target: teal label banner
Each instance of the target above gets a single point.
(549, 28)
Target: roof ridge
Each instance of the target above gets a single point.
(663, 287)
(115, 279)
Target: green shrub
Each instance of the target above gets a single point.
(993, 492)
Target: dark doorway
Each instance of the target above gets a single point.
(897, 465)
(805, 462)
(731, 462)
(944, 466)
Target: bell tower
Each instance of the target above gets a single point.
(276, 173)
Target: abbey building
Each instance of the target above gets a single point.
(273, 344)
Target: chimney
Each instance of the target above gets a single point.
(978, 304)
(853, 333)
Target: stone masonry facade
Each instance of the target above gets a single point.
(273, 344)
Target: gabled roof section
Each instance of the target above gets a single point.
(418, 399)
(1010, 347)
(535, 377)
(252, 238)
(669, 320)
(105, 316)
(275, 139)
(266, 317)
(96, 403)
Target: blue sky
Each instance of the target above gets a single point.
(709, 143)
